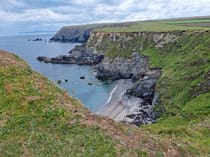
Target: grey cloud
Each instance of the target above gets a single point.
(60, 12)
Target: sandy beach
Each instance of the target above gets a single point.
(113, 108)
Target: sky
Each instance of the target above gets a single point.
(23, 16)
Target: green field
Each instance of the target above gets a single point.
(184, 90)
(161, 26)
(188, 21)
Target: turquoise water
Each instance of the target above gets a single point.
(93, 97)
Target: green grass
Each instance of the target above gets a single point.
(185, 72)
(149, 27)
(188, 21)
(193, 23)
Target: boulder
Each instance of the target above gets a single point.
(136, 111)
(82, 77)
(44, 59)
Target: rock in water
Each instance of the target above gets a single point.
(59, 82)
(82, 77)
(79, 55)
(90, 83)
(44, 59)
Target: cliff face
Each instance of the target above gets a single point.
(127, 42)
(73, 34)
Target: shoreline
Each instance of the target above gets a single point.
(113, 106)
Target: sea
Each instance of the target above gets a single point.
(92, 96)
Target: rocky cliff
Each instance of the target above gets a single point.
(81, 33)
(81, 55)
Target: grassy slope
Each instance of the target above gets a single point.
(39, 119)
(185, 90)
(163, 25)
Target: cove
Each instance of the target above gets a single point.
(92, 92)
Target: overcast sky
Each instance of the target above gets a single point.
(50, 15)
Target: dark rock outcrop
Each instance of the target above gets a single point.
(44, 59)
(79, 55)
(73, 34)
(121, 68)
(141, 98)
(136, 105)
(137, 111)
(144, 88)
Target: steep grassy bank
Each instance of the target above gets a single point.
(184, 86)
(39, 119)
(184, 89)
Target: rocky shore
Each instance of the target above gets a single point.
(81, 55)
(134, 98)
(133, 101)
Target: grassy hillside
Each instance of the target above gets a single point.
(184, 88)
(39, 119)
(149, 26)
(197, 23)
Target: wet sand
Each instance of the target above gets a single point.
(113, 108)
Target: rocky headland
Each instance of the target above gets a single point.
(81, 55)
(81, 33)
